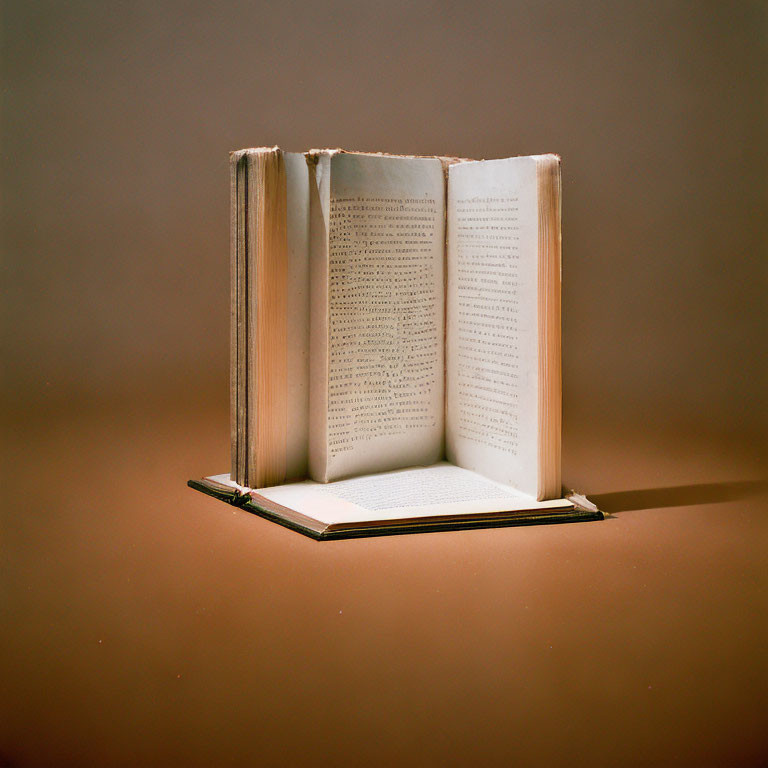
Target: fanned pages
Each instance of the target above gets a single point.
(269, 264)
(394, 313)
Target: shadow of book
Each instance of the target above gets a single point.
(678, 496)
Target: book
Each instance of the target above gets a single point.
(395, 341)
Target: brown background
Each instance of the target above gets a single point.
(146, 625)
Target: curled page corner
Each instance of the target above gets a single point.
(580, 501)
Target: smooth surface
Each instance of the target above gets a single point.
(146, 624)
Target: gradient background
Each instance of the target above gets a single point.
(144, 624)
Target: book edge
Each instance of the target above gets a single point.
(272, 512)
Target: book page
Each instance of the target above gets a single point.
(297, 320)
(377, 314)
(492, 320)
(438, 490)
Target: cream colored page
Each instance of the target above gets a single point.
(297, 326)
(492, 320)
(385, 306)
(440, 489)
(319, 200)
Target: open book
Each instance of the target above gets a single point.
(395, 338)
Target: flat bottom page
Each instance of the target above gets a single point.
(440, 489)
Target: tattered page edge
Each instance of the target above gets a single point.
(581, 502)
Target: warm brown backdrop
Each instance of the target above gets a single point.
(221, 640)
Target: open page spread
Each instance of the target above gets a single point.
(392, 312)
